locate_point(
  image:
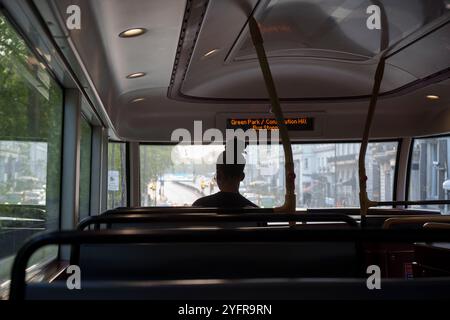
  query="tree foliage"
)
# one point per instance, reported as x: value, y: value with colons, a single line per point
x: 31, y: 105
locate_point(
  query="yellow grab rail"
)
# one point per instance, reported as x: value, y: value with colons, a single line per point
x: 437, y: 225
x: 289, y: 199
x: 389, y: 223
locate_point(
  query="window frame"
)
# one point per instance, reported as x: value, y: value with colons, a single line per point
x: 83, y: 117
x: 127, y: 171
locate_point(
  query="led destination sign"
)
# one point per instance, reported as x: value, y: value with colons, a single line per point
x: 293, y: 124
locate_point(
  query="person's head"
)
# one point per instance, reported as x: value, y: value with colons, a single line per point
x: 230, y: 168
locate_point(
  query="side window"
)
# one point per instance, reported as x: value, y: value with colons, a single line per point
x: 428, y: 175
x: 85, y: 168
x: 117, y: 180
x: 31, y: 114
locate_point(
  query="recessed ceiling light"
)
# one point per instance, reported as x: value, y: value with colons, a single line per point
x: 136, y: 75
x: 432, y: 97
x: 134, y: 32
x: 137, y: 100
x: 211, y: 52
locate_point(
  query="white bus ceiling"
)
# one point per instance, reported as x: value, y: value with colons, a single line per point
x: 199, y: 64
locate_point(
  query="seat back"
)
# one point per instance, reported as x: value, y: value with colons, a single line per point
x: 222, y: 260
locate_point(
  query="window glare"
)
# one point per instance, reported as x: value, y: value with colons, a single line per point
x: 327, y: 174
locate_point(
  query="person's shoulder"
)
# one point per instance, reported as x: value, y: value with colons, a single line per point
x: 199, y: 202
x: 204, y: 201
x: 251, y: 204
x: 247, y: 203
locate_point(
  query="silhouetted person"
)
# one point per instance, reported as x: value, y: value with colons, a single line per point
x: 229, y: 174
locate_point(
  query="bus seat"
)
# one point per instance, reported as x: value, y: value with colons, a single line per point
x: 223, y: 260
x: 432, y: 259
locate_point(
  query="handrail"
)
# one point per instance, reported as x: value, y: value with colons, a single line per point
x: 436, y: 225
x: 187, y: 210
x: 196, y: 218
x: 389, y: 223
x: 181, y: 210
x: 257, y: 39
x: 375, y: 211
x: 411, y: 203
x: 365, y: 202
x: 17, y: 289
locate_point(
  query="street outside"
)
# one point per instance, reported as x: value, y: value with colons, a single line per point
x: 174, y: 193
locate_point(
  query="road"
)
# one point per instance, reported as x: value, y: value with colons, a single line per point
x: 178, y: 195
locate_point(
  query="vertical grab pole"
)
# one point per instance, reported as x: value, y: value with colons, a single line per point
x: 365, y: 202
x: 289, y: 200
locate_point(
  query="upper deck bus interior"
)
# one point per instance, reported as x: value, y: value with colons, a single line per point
x: 113, y: 114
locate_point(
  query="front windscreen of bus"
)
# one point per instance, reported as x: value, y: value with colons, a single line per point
x: 326, y: 174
